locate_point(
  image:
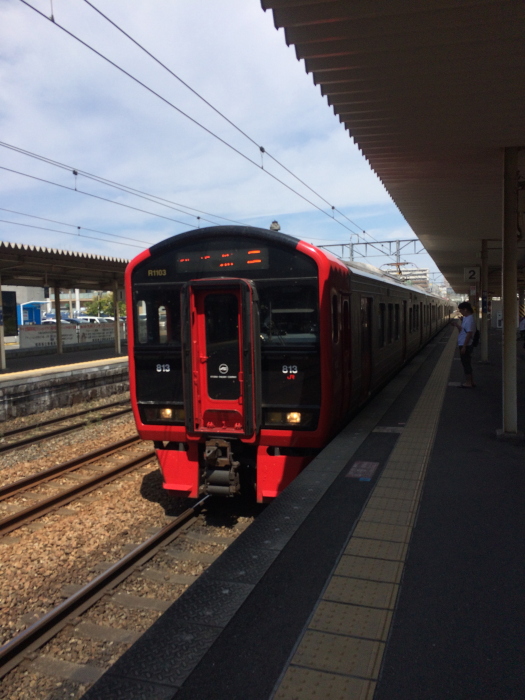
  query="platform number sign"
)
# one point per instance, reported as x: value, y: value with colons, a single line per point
x: 471, y: 274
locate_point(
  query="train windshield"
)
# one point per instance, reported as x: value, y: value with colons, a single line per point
x: 158, y: 317
x: 289, y: 314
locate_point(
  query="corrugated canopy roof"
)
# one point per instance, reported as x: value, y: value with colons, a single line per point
x: 431, y: 91
x: 34, y: 266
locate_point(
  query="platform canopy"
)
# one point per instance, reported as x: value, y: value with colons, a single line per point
x: 34, y: 266
x: 432, y: 91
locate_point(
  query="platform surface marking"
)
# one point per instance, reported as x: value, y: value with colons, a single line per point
x: 340, y: 653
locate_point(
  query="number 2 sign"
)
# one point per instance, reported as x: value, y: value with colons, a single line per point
x: 471, y: 274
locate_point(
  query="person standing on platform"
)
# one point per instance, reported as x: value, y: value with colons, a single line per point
x: 522, y: 330
x: 467, y: 330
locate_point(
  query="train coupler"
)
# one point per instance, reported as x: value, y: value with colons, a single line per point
x: 221, y: 476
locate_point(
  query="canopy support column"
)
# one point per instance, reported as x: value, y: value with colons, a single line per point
x: 510, y: 288
x: 3, y: 364
x: 118, y: 346
x: 484, y: 301
x: 58, y: 319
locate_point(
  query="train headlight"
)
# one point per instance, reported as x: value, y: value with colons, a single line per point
x: 293, y: 417
x: 162, y: 414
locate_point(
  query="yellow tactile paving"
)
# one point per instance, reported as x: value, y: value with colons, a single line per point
x: 399, y: 494
x: 408, y: 480
x: 400, y: 504
x: 382, y: 531
x: 370, y: 569
x: 339, y: 618
x: 392, y: 517
x: 358, y: 591
x: 340, y: 654
x: 377, y: 549
x: 305, y: 684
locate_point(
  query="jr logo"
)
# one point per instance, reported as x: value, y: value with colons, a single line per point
x: 223, y: 369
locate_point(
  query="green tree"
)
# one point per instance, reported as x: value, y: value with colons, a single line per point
x: 102, y: 305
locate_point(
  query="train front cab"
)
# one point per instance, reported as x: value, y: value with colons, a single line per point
x: 241, y: 394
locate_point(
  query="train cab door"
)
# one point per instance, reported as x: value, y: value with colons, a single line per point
x: 220, y: 344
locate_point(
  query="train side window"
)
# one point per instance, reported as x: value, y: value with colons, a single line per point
x: 410, y: 320
x: 390, y: 323
x: 346, y: 319
x: 142, y: 328
x: 381, y: 325
x: 396, y: 320
x: 158, y: 318
x: 335, y: 318
x: 162, y: 317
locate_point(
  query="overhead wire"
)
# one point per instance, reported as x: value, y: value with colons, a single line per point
x: 197, y: 123
x: 66, y: 233
x: 218, y: 111
x: 117, y: 185
x: 170, y: 104
x: 62, y: 223
x: 95, y: 196
x: 223, y: 116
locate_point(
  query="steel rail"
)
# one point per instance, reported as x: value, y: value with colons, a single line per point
x: 52, y: 622
x: 35, y: 426
x: 37, y: 510
x: 10, y: 490
x: 58, y: 431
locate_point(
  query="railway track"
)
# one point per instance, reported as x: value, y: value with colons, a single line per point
x: 59, y: 419
x: 40, y: 508
x: 37, y: 634
x: 35, y: 439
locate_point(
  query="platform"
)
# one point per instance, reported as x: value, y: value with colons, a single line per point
x: 391, y: 568
x: 39, y: 383
x: 17, y: 362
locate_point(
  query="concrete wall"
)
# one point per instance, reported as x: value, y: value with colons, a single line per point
x: 43, y: 391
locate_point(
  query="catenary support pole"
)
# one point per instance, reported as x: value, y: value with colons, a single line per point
x: 510, y: 287
x: 484, y: 301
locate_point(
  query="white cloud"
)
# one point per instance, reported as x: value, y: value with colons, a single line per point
x: 61, y: 101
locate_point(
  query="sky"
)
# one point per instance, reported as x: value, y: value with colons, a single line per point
x: 63, y: 103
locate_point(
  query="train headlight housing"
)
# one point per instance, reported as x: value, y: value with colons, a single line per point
x: 293, y: 417
x: 288, y: 419
x: 162, y: 414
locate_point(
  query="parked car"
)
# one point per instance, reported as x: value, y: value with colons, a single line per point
x: 93, y: 319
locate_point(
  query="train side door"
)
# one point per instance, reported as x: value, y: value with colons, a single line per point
x: 347, y: 350
x: 405, y: 330
x: 366, y: 346
x: 220, y: 357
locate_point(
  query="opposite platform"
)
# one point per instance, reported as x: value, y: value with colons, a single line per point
x: 43, y: 388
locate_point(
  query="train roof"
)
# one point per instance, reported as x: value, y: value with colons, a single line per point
x: 219, y: 231
x: 363, y: 269
x: 372, y: 272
